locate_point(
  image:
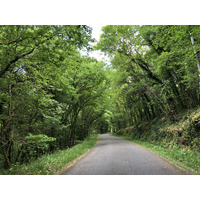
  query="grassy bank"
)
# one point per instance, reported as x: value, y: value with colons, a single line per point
x: 178, y: 140
x: 185, y: 158
x: 184, y: 131
x: 51, y: 163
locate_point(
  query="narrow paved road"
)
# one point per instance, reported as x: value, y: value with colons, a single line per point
x: 115, y: 156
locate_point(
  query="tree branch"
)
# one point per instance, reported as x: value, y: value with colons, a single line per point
x: 143, y: 65
x: 13, y: 61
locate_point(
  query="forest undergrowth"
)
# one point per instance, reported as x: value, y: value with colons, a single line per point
x: 177, y: 141
x: 49, y: 164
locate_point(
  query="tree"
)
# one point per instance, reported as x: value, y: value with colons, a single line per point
x: 155, y: 66
x: 32, y: 58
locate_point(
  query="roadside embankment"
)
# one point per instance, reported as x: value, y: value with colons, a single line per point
x: 177, y: 141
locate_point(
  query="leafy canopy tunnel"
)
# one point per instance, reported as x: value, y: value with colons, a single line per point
x: 51, y: 96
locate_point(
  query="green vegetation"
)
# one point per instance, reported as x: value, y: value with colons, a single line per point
x: 155, y: 82
x: 155, y: 87
x: 170, y: 140
x: 181, y: 133
x: 51, y: 163
x: 185, y: 158
x: 155, y: 71
x: 51, y: 96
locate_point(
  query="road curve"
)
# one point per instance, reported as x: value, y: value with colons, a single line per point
x: 115, y: 156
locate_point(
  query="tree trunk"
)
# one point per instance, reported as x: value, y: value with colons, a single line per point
x: 195, y: 53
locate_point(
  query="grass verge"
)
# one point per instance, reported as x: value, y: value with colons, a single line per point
x: 51, y: 163
x: 187, y: 159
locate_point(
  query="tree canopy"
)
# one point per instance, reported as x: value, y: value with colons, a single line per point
x: 51, y: 96
x: 156, y: 69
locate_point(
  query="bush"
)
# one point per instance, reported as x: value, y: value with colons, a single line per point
x: 36, y: 145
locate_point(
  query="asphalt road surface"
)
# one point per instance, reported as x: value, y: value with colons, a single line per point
x: 115, y: 156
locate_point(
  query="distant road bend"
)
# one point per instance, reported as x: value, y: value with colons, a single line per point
x: 115, y: 156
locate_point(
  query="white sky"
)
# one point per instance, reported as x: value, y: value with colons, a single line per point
x: 96, y: 34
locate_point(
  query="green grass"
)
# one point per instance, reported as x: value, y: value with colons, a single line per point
x: 187, y: 159
x: 51, y: 163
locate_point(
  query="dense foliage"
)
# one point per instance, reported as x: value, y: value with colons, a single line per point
x: 51, y: 96
x: 155, y: 75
